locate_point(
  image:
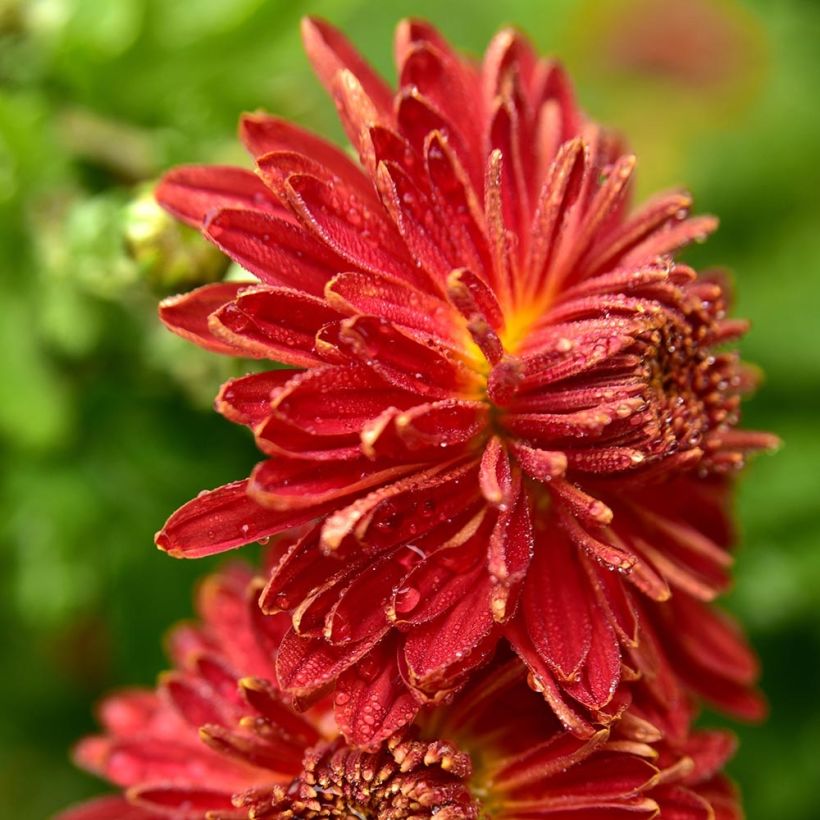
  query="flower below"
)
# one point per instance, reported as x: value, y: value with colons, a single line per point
x: 510, y: 410
x: 219, y: 739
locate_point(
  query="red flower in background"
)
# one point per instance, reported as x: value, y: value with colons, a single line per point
x: 219, y: 739
x: 509, y: 408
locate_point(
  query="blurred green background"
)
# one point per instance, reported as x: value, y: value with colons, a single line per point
x: 105, y: 424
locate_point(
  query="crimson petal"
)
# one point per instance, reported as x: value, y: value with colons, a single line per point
x: 192, y: 192
x: 223, y: 519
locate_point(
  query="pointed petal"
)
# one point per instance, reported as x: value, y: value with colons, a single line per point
x: 555, y: 605
x: 509, y: 552
x: 114, y: 807
x: 264, y: 134
x: 398, y: 302
x: 289, y: 485
x: 543, y: 681
x: 348, y: 621
x: 426, y: 432
x: 601, y: 671
x: 278, y: 252
x: 350, y: 228
x: 433, y: 652
x: 495, y: 474
x: 437, y: 583
x: 192, y: 192
x: 372, y: 701
x: 187, y: 315
x: 428, y: 370
x: 336, y: 400
x: 223, y: 519
x: 275, y: 323
x: 247, y: 400
x: 330, y: 52
x: 305, y: 665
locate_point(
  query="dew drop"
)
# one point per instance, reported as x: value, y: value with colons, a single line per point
x: 407, y: 599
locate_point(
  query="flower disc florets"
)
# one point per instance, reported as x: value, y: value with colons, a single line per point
x: 509, y: 406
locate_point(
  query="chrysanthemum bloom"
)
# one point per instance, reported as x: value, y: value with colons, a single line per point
x: 218, y: 739
x: 509, y: 407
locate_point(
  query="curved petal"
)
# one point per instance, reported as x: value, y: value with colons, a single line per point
x: 278, y: 252
x: 224, y: 519
x: 247, y: 399
x: 187, y: 315
x: 372, y: 701
x: 192, y: 192
x: 274, y: 323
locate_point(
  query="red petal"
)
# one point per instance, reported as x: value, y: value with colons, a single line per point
x: 601, y: 671
x: 275, y: 323
x: 557, y: 195
x: 278, y: 437
x: 412, y: 499
x: 420, y: 506
x: 411, y: 209
x: 371, y: 700
x: 126, y: 712
x: 427, y: 432
x: 247, y: 400
x: 602, y: 777
x: 607, y: 202
x: 437, y: 583
x: 351, y: 228
x: 427, y: 62
x: 458, y: 204
x: 180, y: 800
x: 509, y: 552
x: 222, y: 519
x: 275, y: 758
x: 301, y: 570
x: 187, y: 315
x: 710, y: 750
x: 614, y: 598
x: 495, y: 475
x: 350, y: 621
x: 508, y: 133
x: 192, y: 192
x: 107, y: 808
x: 305, y: 665
x: 662, y: 210
x: 263, y: 134
x: 678, y: 803
x: 543, y: 465
x: 139, y: 760
x: 194, y: 700
x: 713, y: 640
x: 672, y: 239
x: 337, y: 400
x: 288, y: 485
x: 434, y: 652
x: 229, y: 610
x: 279, y: 252
x: 424, y: 369
x: 554, y: 756
x: 504, y: 267
x: 556, y: 604
x: 290, y: 727
x: 398, y: 302
x: 542, y: 680
x: 329, y: 52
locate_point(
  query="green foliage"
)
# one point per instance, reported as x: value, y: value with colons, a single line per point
x: 104, y: 419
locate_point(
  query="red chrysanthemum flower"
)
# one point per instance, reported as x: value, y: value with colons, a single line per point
x: 218, y: 739
x: 509, y: 406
